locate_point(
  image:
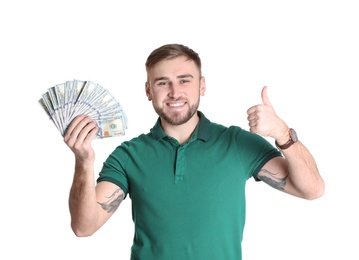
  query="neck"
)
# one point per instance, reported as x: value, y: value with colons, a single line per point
x: 182, y: 133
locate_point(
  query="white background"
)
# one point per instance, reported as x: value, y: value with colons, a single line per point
x: 307, y: 52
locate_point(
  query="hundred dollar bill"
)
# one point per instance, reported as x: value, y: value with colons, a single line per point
x: 112, y: 127
x: 63, y: 102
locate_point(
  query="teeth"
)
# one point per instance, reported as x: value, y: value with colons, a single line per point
x: 176, y: 105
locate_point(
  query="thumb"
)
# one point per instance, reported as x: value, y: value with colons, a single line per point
x: 265, y: 98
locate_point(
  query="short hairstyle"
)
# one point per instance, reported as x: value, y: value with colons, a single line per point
x: 171, y: 51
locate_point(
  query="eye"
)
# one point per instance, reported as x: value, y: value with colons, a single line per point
x: 162, y: 83
x: 184, y: 81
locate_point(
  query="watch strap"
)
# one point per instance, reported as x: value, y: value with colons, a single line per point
x: 292, y: 139
x: 286, y: 145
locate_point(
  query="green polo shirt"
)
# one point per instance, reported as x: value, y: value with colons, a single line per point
x: 188, y: 201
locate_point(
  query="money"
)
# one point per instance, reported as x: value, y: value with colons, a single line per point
x: 63, y: 102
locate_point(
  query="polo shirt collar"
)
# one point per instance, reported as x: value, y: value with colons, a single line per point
x: 202, y: 131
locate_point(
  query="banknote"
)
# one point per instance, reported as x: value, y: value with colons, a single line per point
x: 63, y: 102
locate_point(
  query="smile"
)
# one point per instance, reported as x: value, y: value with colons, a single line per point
x: 176, y: 104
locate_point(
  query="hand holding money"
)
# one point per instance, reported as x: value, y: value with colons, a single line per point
x: 78, y: 138
x: 63, y: 102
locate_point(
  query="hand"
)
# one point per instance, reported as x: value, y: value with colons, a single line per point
x: 263, y: 120
x: 79, y: 136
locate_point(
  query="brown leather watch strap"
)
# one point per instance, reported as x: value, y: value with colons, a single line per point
x: 286, y: 145
x: 292, y: 139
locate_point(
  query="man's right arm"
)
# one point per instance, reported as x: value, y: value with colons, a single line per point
x: 90, y: 205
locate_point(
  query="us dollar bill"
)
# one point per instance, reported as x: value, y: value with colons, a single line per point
x: 63, y: 102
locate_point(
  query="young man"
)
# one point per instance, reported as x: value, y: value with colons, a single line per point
x: 186, y: 177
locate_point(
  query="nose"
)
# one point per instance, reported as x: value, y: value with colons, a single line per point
x: 174, y: 90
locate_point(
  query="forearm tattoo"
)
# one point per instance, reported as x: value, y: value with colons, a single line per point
x: 113, y: 202
x: 271, y: 179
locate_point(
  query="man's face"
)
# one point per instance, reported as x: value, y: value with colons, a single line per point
x: 174, y: 86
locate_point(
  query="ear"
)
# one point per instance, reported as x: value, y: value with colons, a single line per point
x: 202, y: 86
x: 148, y: 91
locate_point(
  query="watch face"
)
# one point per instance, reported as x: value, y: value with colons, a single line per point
x: 293, y: 135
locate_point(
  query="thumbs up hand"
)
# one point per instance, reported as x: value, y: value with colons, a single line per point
x: 263, y: 120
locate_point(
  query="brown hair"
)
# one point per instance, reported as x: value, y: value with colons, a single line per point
x: 171, y: 51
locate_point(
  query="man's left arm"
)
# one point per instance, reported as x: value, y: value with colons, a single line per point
x: 295, y: 173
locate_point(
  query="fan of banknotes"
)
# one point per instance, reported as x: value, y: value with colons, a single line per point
x: 63, y: 102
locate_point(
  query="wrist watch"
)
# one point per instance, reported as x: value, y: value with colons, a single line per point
x: 293, y: 137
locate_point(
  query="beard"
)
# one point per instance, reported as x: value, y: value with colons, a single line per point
x: 177, y: 118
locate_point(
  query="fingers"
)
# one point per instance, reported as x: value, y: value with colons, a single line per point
x: 72, y: 126
x: 265, y: 98
x: 265, y: 101
x: 253, y: 117
x: 262, y: 118
x: 88, y: 137
x: 81, y: 128
x: 259, y: 115
x: 251, y: 110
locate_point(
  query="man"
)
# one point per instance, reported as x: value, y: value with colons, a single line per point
x: 186, y: 177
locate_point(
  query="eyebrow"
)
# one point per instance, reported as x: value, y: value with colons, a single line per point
x: 179, y: 77
x: 185, y: 76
